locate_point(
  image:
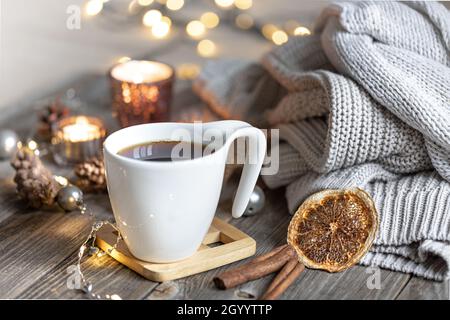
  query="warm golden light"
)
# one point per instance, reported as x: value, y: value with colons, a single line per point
x: 81, y: 130
x: 243, y: 4
x: 160, y: 29
x: 210, y: 20
x: 93, y: 7
x: 174, y: 4
x: 145, y: 3
x: 206, y: 48
x: 32, y: 145
x: 268, y: 30
x: 244, y: 21
x: 279, y: 37
x: 195, y: 29
x: 123, y: 59
x: 151, y: 17
x: 188, y: 71
x: 141, y: 72
x: 302, y: 31
x: 224, y: 3
x: 166, y: 20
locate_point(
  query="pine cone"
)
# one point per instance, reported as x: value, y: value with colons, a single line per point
x: 91, y: 175
x: 49, y: 116
x: 34, y: 182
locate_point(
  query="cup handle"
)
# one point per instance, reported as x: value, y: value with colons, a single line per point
x: 253, y: 162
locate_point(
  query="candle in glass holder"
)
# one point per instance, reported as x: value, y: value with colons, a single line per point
x: 77, y: 139
x: 141, y: 92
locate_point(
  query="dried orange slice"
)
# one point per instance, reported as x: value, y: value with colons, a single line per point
x: 333, y: 229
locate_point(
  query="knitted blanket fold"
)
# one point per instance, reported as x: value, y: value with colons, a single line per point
x: 365, y: 102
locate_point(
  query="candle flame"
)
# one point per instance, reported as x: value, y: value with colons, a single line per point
x: 82, y: 120
x: 81, y: 130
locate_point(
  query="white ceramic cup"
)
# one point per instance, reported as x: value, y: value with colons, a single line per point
x: 164, y: 209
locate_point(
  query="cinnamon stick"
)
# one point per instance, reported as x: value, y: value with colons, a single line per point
x: 268, y: 254
x: 285, y: 283
x: 285, y: 271
x: 260, y: 258
x: 254, y: 270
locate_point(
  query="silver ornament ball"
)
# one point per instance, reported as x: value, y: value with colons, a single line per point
x: 256, y: 202
x: 8, y: 143
x: 70, y: 198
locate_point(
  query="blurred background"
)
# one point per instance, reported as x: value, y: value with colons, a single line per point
x: 40, y: 53
x: 47, y: 44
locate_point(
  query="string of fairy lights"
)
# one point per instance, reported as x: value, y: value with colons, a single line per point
x: 160, y: 18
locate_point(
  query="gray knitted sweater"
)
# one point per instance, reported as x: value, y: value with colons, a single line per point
x: 365, y: 102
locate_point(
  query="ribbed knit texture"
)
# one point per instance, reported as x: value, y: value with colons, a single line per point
x: 366, y: 103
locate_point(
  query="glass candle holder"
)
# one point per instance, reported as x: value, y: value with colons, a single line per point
x: 77, y: 139
x: 141, y: 92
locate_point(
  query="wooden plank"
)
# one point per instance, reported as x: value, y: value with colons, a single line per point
x: 419, y: 288
x: 107, y: 275
x: 350, y: 284
x: 49, y: 243
x: 31, y: 244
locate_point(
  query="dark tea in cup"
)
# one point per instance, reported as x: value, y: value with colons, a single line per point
x: 164, y: 151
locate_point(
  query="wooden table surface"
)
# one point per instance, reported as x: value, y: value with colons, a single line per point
x: 37, y: 247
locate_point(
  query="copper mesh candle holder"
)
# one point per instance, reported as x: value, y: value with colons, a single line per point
x: 77, y: 139
x: 141, y: 92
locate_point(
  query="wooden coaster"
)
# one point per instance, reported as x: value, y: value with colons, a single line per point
x: 223, y: 244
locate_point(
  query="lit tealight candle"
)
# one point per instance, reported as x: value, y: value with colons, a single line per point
x: 141, y: 71
x: 81, y: 130
x: 77, y: 139
x: 141, y: 91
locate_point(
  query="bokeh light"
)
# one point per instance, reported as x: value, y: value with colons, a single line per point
x: 279, y: 37
x: 123, y: 59
x: 151, y: 17
x: 188, y: 71
x: 244, y: 21
x: 174, y: 4
x: 243, y: 4
x: 160, y: 29
x: 145, y: 3
x: 210, y: 19
x: 195, y: 29
x: 93, y: 7
x: 224, y: 3
x: 206, y: 48
x: 302, y: 31
x: 268, y: 30
x: 166, y: 20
